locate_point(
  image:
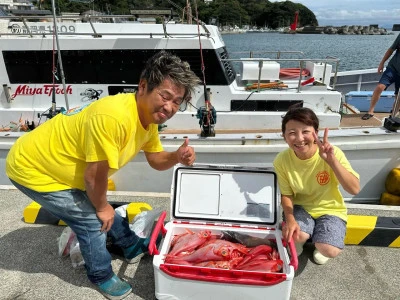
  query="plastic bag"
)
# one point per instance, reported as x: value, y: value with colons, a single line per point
x: 75, y: 254
x: 64, y: 241
x: 121, y: 210
x: 142, y: 223
x: 68, y: 245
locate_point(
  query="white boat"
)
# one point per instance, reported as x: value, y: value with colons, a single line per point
x: 102, y: 59
x: 358, y: 80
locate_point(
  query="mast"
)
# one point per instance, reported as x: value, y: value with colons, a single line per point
x: 188, y: 12
x: 59, y: 58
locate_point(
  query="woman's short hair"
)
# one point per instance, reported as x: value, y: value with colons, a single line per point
x: 301, y: 114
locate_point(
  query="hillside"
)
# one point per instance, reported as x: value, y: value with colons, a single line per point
x: 220, y: 12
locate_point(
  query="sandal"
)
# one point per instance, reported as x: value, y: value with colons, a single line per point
x: 367, y: 116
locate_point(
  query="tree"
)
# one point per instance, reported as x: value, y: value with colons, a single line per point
x: 254, y: 9
x: 281, y: 14
x: 232, y: 12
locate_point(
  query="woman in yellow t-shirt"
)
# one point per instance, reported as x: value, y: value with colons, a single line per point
x: 309, y: 174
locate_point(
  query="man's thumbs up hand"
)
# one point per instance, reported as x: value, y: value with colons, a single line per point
x: 185, y: 154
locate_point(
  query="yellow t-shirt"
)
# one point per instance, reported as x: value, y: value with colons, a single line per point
x: 54, y: 156
x: 312, y: 182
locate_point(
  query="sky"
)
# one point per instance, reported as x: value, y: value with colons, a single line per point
x: 385, y: 13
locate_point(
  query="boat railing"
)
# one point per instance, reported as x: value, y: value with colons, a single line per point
x: 301, y: 62
x: 92, y: 20
x: 334, y: 78
x: 277, y: 53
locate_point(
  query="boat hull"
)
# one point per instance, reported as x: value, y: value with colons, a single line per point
x: 372, y: 152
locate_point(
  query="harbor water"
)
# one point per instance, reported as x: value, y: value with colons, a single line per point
x: 354, y: 51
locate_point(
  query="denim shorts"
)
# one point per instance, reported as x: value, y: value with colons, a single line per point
x: 390, y: 76
x: 326, y: 229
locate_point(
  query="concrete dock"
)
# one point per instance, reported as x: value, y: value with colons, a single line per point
x: 30, y: 267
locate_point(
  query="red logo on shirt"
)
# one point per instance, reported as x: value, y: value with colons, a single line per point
x: 323, y: 178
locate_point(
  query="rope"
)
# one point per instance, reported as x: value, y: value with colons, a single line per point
x: 269, y: 85
x: 201, y: 50
x: 54, y: 58
x: 206, y: 98
x: 53, y: 100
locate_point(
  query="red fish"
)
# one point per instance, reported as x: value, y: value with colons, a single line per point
x: 178, y: 236
x: 257, y: 251
x: 238, y: 249
x: 189, y: 241
x: 212, y: 250
x: 220, y: 264
x: 274, y: 254
x: 262, y: 265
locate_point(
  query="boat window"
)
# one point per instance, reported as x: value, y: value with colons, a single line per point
x: 108, y: 66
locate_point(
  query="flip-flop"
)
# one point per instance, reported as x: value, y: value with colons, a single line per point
x: 367, y: 116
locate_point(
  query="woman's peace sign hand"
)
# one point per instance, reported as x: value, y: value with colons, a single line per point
x: 326, y: 151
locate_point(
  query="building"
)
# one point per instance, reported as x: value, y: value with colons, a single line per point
x: 8, y: 5
x: 150, y: 15
x: 396, y: 27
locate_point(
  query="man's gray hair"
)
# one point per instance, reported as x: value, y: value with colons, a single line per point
x: 163, y: 65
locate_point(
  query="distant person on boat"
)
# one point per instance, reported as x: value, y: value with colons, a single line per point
x: 64, y: 164
x: 309, y: 173
x: 391, y: 75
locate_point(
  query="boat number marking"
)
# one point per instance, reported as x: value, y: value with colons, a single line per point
x: 21, y: 29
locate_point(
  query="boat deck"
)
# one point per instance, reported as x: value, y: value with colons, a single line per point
x: 354, y: 120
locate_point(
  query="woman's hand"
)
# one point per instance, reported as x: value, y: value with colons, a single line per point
x: 326, y: 150
x: 290, y: 229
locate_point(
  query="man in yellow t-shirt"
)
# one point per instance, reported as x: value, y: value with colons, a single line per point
x: 64, y: 164
x: 309, y: 174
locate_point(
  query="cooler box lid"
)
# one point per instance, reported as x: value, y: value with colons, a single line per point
x: 225, y: 194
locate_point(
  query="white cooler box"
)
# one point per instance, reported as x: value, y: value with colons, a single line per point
x: 222, y: 198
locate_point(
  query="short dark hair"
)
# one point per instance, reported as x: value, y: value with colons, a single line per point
x: 163, y: 65
x: 301, y: 114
